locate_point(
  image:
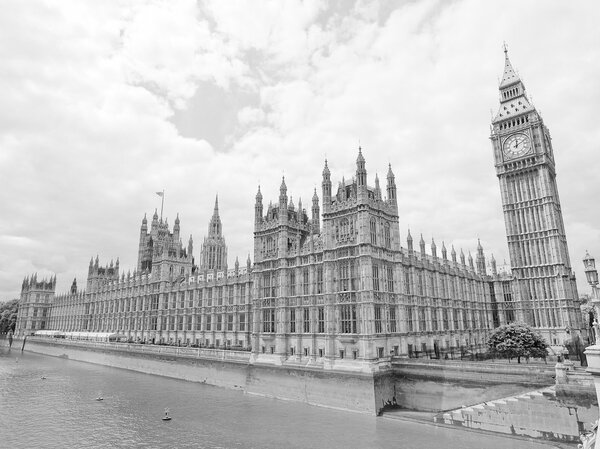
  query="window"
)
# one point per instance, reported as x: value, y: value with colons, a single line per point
x: 373, y: 229
x: 321, y: 319
x: 386, y: 235
x: 321, y: 352
x: 269, y: 320
x: 392, y: 318
x: 341, y: 353
x: 242, y: 322
x: 219, y: 322
x: 434, y: 320
x: 306, y: 320
x: 292, y: 282
x: 409, y: 319
x: 378, y: 326
x: 180, y: 323
x: 406, y: 280
x: 445, y: 319
x: 348, y: 319
x: 181, y: 300
x: 269, y: 285
x: 320, y: 279
x: 189, y: 322
x: 347, y: 279
x: 242, y: 293
x: 305, y: 284
x: 390, y: 278
x: 376, y: 277
x: 153, y: 323
x: 198, y: 322
x: 422, y: 321
x: 230, y: 322
x: 208, y: 322
x: 231, y: 289
x: 292, y: 321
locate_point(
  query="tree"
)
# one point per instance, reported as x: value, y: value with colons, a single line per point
x: 517, y: 340
x: 8, y: 315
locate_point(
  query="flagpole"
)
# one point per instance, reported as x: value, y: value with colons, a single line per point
x: 162, y: 203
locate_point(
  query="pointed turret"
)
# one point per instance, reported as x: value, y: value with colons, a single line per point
x: 453, y: 254
x: 283, y: 201
x: 258, y: 208
x: 462, y: 257
x: 190, y: 248
x: 422, y: 246
x: 409, y: 242
x: 391, y: 187
x: 315, y: 219
x: 144, y: 224
x: 433, y: 249
x: 248, y: 263
x: 493, y: 265
x: 326, y: 187
x: 471, y: 261
x: 480, y: 259
x: 444, y: 252
x: 361, y: 172
x: 377, y: 188
x: 214, y: 228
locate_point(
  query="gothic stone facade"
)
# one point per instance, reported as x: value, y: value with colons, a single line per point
x: 337, y: 289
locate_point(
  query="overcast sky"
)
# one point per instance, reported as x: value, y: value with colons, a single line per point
x: 105, y: 103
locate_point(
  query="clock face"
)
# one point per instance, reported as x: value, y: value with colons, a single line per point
x: 517, y: 145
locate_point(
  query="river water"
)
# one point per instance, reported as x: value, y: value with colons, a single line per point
x: 60, y: 411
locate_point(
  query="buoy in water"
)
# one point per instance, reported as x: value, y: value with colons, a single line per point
x: 43, y: 377
x: 166, y: 417
x: 99, y: 398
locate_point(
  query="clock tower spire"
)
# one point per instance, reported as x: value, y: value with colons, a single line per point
x: 543, y: 286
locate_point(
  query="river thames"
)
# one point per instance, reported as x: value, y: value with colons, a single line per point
x: 48, y: 402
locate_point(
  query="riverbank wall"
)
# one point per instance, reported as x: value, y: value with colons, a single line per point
x: 229, y: 369
x: 416, y: 384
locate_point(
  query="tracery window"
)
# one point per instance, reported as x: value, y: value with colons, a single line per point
x: 348, y: 319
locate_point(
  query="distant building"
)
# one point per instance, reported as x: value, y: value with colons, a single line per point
x: 331, y: 286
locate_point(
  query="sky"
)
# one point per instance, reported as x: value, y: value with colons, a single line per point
x: 106, y: 103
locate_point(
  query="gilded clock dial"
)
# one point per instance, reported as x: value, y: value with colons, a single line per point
x: 517, y: 145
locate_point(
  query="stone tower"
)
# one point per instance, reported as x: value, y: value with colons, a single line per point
x: 34, y: 304
x: 213, y: 255
x: 544, y: 284
x: 161, y: 252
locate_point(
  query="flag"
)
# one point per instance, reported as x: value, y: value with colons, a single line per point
x: 161, y: 194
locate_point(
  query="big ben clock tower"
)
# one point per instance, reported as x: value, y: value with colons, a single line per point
x: 543, y: 287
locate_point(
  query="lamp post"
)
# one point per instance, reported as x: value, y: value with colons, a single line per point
x: 591, y: 275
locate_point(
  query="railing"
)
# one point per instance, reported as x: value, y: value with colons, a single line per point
x: 198, y: 353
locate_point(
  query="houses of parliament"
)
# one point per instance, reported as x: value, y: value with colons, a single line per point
x: 331, y: 284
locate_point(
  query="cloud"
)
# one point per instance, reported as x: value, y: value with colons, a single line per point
x: 101, y: 101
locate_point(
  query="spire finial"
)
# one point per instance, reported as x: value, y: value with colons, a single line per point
x: 505, y: 47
